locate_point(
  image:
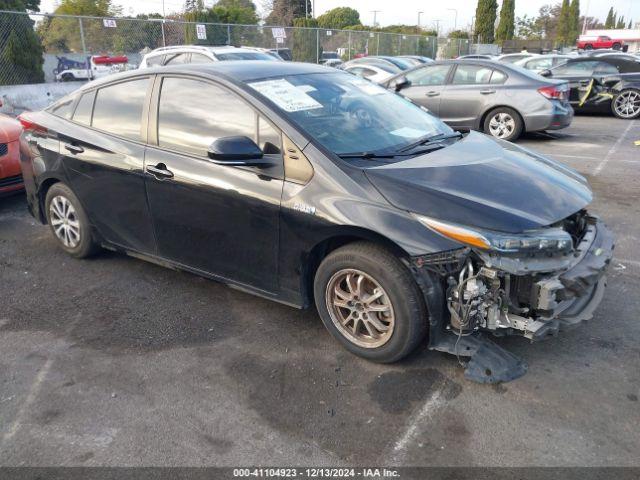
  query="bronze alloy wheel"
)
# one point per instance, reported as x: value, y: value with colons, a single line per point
x: 360, y: 308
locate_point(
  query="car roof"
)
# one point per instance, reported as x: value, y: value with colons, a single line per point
x: 201, y: 48
x: 238, y: 71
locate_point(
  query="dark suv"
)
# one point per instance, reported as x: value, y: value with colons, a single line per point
x: 306, y: 185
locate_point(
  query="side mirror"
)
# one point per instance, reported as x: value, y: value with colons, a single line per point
x: 235, y: 151
x: 400, y: 83
x: 546, y: 73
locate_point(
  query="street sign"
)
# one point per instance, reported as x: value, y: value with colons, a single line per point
x: 201, y: 31
x: 278, y: 32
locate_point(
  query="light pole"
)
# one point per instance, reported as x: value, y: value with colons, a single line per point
x: 419, y: 13
x: 375, y: 16
x: 437, y: 22
x: 455, y: 22
x: 584, y: 25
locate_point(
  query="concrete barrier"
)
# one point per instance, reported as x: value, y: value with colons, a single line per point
x: 18, y: 98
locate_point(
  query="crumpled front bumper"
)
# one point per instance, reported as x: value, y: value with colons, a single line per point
x: 570, y: 297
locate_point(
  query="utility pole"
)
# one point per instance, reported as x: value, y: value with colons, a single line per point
x: 437, y: 22
x: 419, y: 13
x: 455, y: 22
x: 584, y: 24
x: 375, y: 16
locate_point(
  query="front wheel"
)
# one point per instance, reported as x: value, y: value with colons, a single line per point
x: 588, y: 47
x: 369, y: 301
x: 503, y: 123
x: 617, y: 46
x: 69, y: 222
x: 626, y: 104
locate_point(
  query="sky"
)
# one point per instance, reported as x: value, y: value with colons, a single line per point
x: 439, y: 14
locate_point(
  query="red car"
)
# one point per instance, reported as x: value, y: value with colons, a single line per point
x: 600, y: 41
x: 10, y: 173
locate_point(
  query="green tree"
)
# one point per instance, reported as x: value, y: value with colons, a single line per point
x: 610, y: 22
x: 486, y: 12
x: 620, y: 24
x: 20, y: 49
x: 506, y: 26
x: 137, y: 33
x: 630, y: 24
x: 574, y: 22
x: 63, y: 34
x: 339, y: 18
x: 305, y: 46
x: 284, y: 12
x: 564, y: 24
x: 236, y: 3
x: 216, y: 34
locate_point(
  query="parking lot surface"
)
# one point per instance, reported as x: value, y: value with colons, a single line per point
x: 115, y: 361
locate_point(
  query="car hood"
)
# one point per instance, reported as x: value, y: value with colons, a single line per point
x: 484, y: 182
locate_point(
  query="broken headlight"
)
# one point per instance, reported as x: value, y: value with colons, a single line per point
x: 550, y: 240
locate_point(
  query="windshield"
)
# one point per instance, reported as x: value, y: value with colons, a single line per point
x: 347, y: 114
x: 245, y: 56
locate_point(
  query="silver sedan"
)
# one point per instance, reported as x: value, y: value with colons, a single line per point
x: 500, y: 99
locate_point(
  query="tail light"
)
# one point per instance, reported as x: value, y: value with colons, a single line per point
x: 554, y: 92
x: 30, y: 126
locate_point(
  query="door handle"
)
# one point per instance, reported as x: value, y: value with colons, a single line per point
x: 432, y: 94
x: 159, y: 171
x: 73, y: 148
x: 487, y: 92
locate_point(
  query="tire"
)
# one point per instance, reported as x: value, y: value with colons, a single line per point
x: 626, y: 104
x: 68, y: 77
x: 588, y: 47
x: 616, y: 46
x: 398, y: 306
x: 508, y: 124
x: 69, y: 222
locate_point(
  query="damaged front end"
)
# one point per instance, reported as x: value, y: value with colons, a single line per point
x: 532, y: 285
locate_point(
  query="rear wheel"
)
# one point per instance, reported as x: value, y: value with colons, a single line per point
x: 369, y: 301
x: 588, y: 47
x: 626, y: 104
x: 617, y: 46
x: 503, y: 123
x: 69, y: 222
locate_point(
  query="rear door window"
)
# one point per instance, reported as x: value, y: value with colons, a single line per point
x: 118, y: 108
x: 84, y: 109
x: 585, y: 68
x: 472, y: 75
x: 498, y: 77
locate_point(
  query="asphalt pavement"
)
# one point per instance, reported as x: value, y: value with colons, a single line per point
x: 115, y: 361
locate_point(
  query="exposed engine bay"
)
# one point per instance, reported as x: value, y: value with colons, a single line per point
x: 534, y: 293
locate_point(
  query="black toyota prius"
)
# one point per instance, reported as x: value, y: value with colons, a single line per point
x: 307, y: 185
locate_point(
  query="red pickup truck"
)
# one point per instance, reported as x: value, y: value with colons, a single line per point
x: 600, y: 41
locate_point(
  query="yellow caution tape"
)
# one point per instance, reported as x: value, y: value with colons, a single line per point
x: 587, y: 93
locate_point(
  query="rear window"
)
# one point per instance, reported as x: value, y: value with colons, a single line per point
x: 118, y: 108
x: 155, y: 60
x: 85, y: 107
x: 245, y: 56
x: 63, y: 108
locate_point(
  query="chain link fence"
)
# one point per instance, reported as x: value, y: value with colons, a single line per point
x: 40, y: 48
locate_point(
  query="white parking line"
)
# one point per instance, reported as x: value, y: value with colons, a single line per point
x: 415, y: 421
x: 31, y: 396
x: 613, y: 149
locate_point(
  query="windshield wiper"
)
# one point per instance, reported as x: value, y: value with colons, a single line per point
x: 366, y: 155
x: 430, y: 139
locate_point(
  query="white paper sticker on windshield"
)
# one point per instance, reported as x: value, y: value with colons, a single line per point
x: 287, y: 96
x: 408, y: 132
x: 306, y: 88
x: 369, y: 88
